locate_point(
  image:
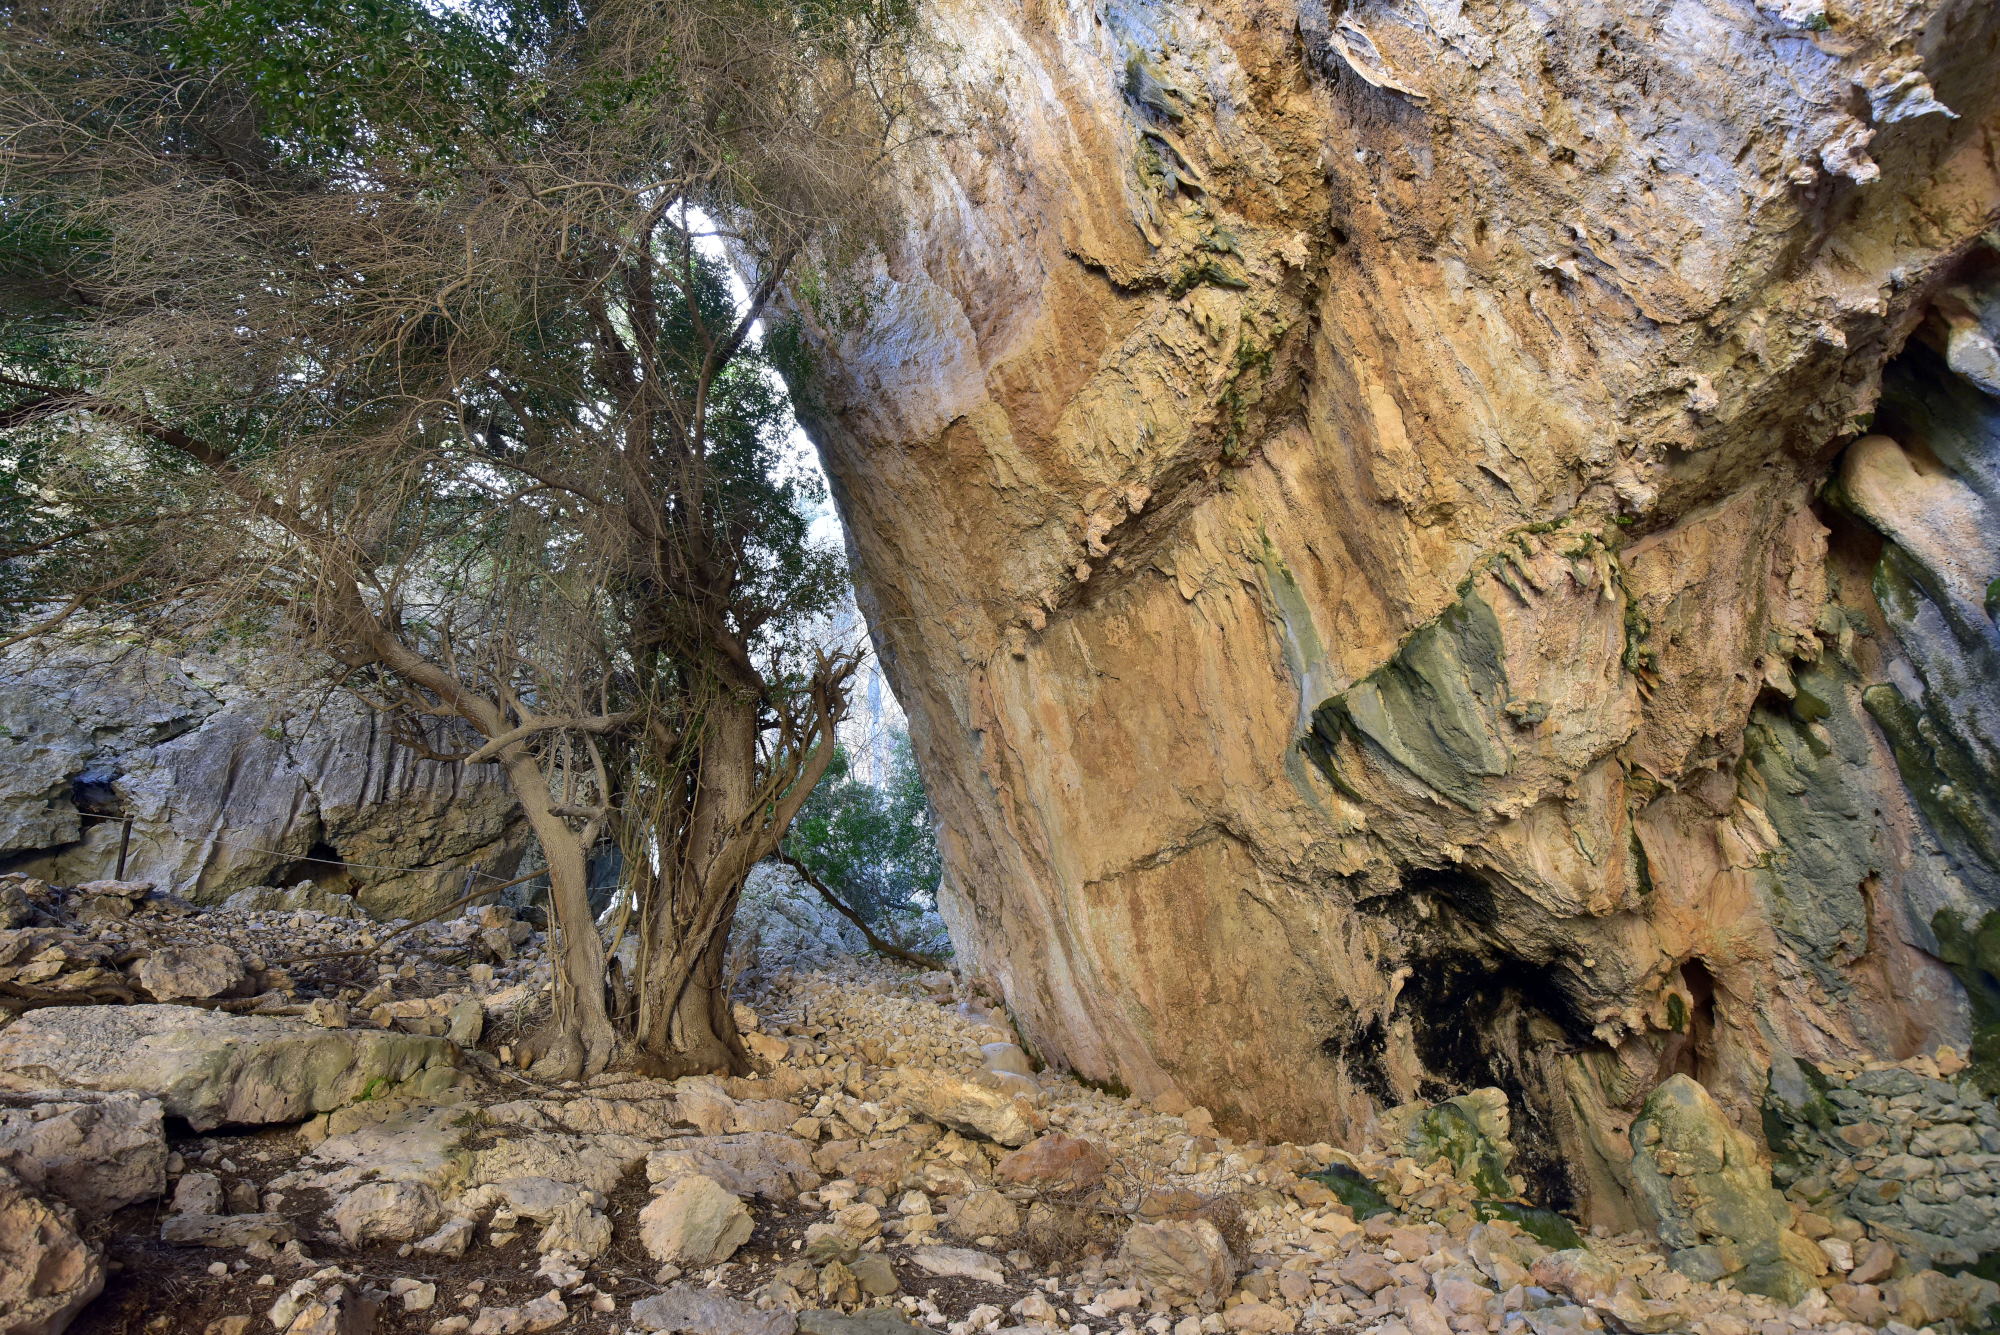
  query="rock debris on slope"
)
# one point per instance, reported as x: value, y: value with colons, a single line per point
x: 895, y: 1165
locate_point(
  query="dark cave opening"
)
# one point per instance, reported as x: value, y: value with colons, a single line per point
x: 1479, y: 1014
x: 94, y: 792
x: 322, y: 865
x: 1692, y: 1021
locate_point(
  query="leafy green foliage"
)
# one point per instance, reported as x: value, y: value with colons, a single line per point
x: 393, y: 328
x: 874, y: 845
x: 329, y: 78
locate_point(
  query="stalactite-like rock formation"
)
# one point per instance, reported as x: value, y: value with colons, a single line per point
x: 1431, y: 545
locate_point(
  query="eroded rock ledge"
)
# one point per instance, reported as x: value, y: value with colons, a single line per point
x: 1403, y: 567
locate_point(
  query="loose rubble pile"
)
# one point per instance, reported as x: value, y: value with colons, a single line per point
x: 896, y: 1164
x: 298, y: 952
x: 1903, y: 1148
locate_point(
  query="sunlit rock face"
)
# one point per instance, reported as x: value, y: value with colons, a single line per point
x: 1342, y: 492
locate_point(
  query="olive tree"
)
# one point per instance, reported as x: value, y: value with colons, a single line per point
x: 397, y: 333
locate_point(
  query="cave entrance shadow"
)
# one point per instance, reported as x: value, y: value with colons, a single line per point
x: 1481, y: 1012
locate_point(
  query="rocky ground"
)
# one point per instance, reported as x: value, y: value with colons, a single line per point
x: 268, y: 1117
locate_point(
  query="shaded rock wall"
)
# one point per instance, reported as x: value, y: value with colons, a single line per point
x: 235, y: 775
x: 1339, y: 492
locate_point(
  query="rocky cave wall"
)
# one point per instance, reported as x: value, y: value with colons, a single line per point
x: 235, y: 774
x: 1404, y: 573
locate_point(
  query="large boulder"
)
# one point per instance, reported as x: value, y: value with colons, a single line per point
x: 47, y: 1271
x: 97, y: 1154
x: 191, y: 971
x: 211, y: 1068
x: 1711, y: 1196
x: 754, y: 1163
x: 1179, y: 1261
x: 968, y: 1104
x: 1057, y: 1163
x: 1470, y: 1132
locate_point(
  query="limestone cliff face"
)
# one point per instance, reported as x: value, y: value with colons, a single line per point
x: 1343, y: 492
x: 234, y: 775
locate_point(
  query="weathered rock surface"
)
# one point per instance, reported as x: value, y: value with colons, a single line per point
x: 47, y: 1271
x: 213, y: 1068
x: 694, y: 1220
x: 1337, y: 489
x: 236, y: 774
x: 757, y: 1163
x: 1186, y: 1260
x: 97, y: 1154
x: 1711, y: 1195
x: 971, y: 1105
x: 689, y: 1311
x: 191, y: 973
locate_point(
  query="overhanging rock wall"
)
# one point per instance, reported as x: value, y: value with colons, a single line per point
x: 1343, y: 493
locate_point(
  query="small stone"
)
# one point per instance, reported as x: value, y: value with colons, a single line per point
x: 1876, y: 1263
x: 959, y: 1262
x: 694, y: 1221
x: 1256, y: 1318
x: 876, y: 1275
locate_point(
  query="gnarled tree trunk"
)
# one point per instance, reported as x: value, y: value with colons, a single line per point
x: 579, y: 1038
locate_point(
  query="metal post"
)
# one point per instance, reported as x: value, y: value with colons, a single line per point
x: 124, y: 847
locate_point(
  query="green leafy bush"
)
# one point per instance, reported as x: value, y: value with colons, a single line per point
x: 874, y: 846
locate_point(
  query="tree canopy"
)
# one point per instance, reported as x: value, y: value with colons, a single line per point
x: 398, y: 332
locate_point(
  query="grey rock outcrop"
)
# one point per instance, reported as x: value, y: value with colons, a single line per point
x: 236, y: 773
x: 212, y: 1068
x: 1711, y: 1196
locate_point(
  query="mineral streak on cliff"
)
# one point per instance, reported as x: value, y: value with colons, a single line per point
x: 1343, y: 492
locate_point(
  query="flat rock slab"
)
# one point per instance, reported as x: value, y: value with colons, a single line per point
x: 216, y: 1069
x: 879, y: 1321
x: 685, y: 1310
x: 959, y: 1263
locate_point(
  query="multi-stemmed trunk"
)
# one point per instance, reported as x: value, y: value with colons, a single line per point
x: 732, y: 810
x: 684, y: 1024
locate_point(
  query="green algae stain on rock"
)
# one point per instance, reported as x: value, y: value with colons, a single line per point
x: 1950, y: 787
x: 1973, y: 956
x: 1711, y: 1196
x: 1804, y: 765
x: 1436, y: 709
x: 1353, y: 1190
x: 1464, y: 1133
x: 1543, y: 1225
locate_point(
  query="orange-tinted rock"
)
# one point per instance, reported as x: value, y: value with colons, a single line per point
x: 1056, y: 1162
x: 1340, y: 502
